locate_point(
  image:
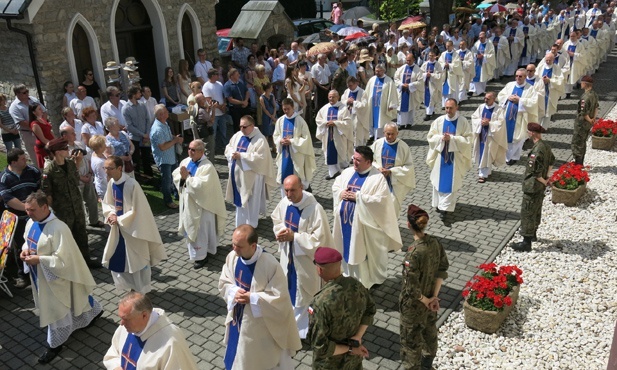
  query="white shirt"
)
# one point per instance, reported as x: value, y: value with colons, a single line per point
x: 110, y: 110
x: 279, y: 73
x: 150, y: 103
x: 321, y: 74
x: 215, y: 92
x: 201, y: 69
x: 78, y: 105
x: 293, y: 56
x: 78, y: 126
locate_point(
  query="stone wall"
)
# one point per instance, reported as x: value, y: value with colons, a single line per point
x: 50, y: 29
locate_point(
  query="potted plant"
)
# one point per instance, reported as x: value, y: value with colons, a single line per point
x: 603, y: 134
x: 490, y: 296
x: 568, y: 183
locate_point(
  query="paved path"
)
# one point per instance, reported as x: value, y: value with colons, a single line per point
x: 485, y: 219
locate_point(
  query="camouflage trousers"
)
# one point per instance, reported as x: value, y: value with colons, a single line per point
x: 531, y: 213
x: 579, y: 138
x: 76, y: 221
x: 418, y: 332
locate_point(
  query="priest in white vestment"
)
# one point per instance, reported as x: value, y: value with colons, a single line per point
x: 502, y: 51
x: 409, y: 82
x: 260, y: 329
x: 147, y: 339
x: 484, y: 64
x: 300, y: 225
x: 515, y: 37
x: 469, y: 70
x: 518, y: 98
x: 365, y: 221
x: 593, y: 13
x: 251, y: 172
x: 202, y: 207
x: 489, y: 137
x: 62, y: 284
x: 433, y: 76
x: 379, y: 102
x: 529, y: 34
x: 134, y: 244
x: 452, y: 71
x: 352, y: 98
x: 538, y: 86
x: 294, y: 146
x: 575, y: 52
x: 335, y: 131
x: 553, y: 80
x: 449, y: 157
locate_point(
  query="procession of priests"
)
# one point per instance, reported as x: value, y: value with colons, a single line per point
x: 265, y: 174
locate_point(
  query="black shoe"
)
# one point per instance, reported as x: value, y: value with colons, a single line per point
x: 370, y: 141
x: 534, y: 238
x: 407, y: 127
x: 22, y: 283
x: 50, y: 354
x: 309, y: 189
x: 199, y: 264
x: 568, y: 96
x: 426, y: 363
x: 524, y: 246
x: 427, y: 118
x: 333, y: 176
x: 93, y: 263
x: 94, y: 319
x: 511, y: 162
x: 443, y: 214
x: 470, y: 93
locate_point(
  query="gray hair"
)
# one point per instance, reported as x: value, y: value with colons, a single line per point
x: 200, y: 144
x: 390, y: 125
x: 111, y: 90
x: 158, y: 109
x: 380, y: 66
x: 139, y: 302
x: 110, y: 121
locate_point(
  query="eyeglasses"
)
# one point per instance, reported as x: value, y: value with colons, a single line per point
x: 90, y: 74
x: 521, y: 76
x: 116, y: 95
x: 24, y: 92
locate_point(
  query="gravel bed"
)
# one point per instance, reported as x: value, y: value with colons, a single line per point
x: 566, y: 313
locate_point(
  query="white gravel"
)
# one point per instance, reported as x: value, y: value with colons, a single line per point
x: 566, y: 313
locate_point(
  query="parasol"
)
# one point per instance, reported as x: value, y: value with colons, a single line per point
x: 497, y: 8
x: 312, y: 39
x: 512, y: 6
x: 350, y: 30
x: 321, y: 48
x: 412, y: 26
x: 338, y: 27
x: 484, y: 6
x: 356, y: 35
x: 364, y: 40
x: 356, y: 12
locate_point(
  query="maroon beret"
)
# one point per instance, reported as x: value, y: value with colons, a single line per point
x: 58, y: 144
x: 414, y: 212
x: 325, y: 255
x: 534, y: 127
x: 587, y: 79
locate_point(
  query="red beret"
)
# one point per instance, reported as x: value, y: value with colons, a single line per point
x: 58, y: 144
x: 534, y: 127
x: 587, y: 79
x: 414, y: 212
x: 325, y: 255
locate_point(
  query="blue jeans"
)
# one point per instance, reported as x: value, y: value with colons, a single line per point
x: 167, y: 186
x: 220, y: 129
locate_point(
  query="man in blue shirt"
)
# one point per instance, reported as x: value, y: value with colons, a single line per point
x: 17, y: 182
x: 163, y: 149
x: 237, y: 96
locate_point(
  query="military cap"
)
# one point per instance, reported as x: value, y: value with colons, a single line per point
x: 587, y: 79
x: 414, y: 212
x: 325, y: 255
x: 58, y: 144
x: 534, y: 127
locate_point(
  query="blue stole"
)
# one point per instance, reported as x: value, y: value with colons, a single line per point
x: 117, y: 262
x: 354, y: 95
x: 526, y: 32
x: 388, y: 156
x: 33, y: 239
x: 131, y: 351
x: 331, y: 152
x: 243, y: 276
x: 594, y: 33
x: 446, y: 169
x: 461, y: 54
x: 192, y: 167
x: 405, y: 91
x: 561, y: 20
x: 287, y: 164
x: 446, y: 85
x: 430, y: 67
x: 549, y: 73
x: 571, y: 48
x: 513, y: 34
x: 377, y: 91
x: 347, y: 210
x: 243, y: 145
x: 557, y: 58
x: 292, y: 220
x: 511, y: 112
x: 481, y: 49
x: 531, y: 82
x: 486, y: 113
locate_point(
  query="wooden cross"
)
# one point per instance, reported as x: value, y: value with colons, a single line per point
x: 242, y: 148
x: 240, y: 283
x: 332, y: 115
x: 290, y: 224
x: 387, y: 161
x: 127, y: 358
x: 118, y: 202
x: 31, y: 241
x: 288, y: 131
x: 378, y: 89
x: 407, y: 75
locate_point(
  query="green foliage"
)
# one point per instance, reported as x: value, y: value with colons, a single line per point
x: 395, y: 9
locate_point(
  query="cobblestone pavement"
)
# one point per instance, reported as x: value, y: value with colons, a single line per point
x: 485, y: 219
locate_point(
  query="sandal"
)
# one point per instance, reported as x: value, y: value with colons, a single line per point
x: 481, y: 180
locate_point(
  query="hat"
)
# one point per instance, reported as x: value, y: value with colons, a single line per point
x: 534, y: 127
x: 128, y: 66
x: 587, y: 79
x: 112, y: 66
x: 364, y: 56
x: 58, y: 144
x: 325, y: 255
x: 414, y: 212
x: 113, y: 78
x: 131, y: 60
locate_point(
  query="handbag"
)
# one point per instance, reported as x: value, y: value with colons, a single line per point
x: 128, y: 166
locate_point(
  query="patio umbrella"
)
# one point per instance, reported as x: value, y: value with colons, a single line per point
x: 412, y: 26
x: 350, y: 30
x: 484, y: 6
x: 321, y: 48
x: 356, y: 35
x: 497, y: 8
x: 356, y: 12
x: 338, y: 27
x: 312, y: 39
x: 512, y: 6
x: 364, y: 40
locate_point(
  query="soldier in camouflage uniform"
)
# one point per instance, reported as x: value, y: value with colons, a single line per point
x: 339, y: 315
x: 61, y: 183
x: 339, y: 77
x: 540, y: 162
x: 587, y: 110
x: 424, y: 270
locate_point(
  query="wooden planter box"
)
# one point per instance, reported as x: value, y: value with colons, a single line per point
x: 488, y: 321
x: 602, y: 143
x: 567, y: 197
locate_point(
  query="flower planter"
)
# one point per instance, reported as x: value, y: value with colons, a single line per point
x: 602, y: 143
x: 567, y: 197
x: 488, y: 321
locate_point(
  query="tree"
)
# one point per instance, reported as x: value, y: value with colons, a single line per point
x: 390, y: 10
x: 440, y: 12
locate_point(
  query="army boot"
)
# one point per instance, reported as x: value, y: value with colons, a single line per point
x: 534, y: 238
x: 578, y: 160
x: 427, y: 363
x: 524, y: 246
